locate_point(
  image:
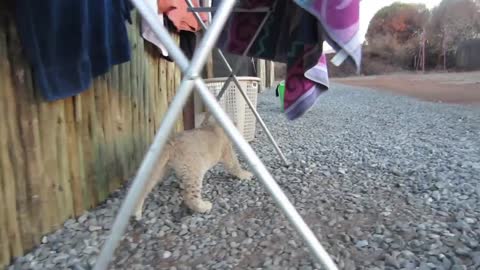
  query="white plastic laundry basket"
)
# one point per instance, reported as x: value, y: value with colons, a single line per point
x: 234, y: 104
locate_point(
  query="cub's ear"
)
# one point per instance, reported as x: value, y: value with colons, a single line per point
x: 206, y: 119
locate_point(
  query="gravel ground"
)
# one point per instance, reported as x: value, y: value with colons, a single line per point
x: 385, y: 182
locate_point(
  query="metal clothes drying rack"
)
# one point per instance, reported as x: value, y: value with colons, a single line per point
x: 191, y: 78
x: 234, y: 71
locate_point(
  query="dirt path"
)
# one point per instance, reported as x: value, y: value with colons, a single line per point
x: 463, y: 88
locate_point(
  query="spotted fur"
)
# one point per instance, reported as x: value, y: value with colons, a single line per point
x: 190, y: 154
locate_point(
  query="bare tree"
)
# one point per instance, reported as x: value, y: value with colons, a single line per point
x: 395, y: 32
x: 451, y: 23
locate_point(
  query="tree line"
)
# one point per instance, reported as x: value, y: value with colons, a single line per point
x: 411, y: 37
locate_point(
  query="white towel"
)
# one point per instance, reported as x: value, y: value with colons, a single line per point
x: 147, y: 32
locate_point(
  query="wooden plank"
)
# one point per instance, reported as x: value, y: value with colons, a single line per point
x: 18, y: 175
x: 177, y: 80
x: 100, y: 156
x: 43, y: 202
x: 152, y: 97
x: 110, y: 136
x: 7, y: 173
x: 160, y: 92
x: 10, y: 194
x: 261, y: 73
x: 20, y: 130
x: 126, y: 117
x: 5, y: 199
x: 149, y: 96
x: 121, y: 120
x: 129, y: 105
x: 77, y: 140
x: 156, y: 92
x: 142, y: 86
x: 270, y: 74
x: 4, y: 241
x: 84, y: 146
x: 209, y: 66
x: 114, y: 164
x: 73, y: 158
x: 171, y: 88
x: 132, y: 123
x: 63, y: 161
x: 28, y: 97
x: 174, y: 77
x: 107, y: 144
x: 115, y: 95
x: 135, y: 95
x: 163, y: 101
x: 170, y: 81
x: 88, y: 141
x: 48, y: 145
x: 47, y: 113
x: 30, y: 138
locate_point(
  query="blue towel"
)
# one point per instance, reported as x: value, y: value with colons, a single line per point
x: 69, y: 42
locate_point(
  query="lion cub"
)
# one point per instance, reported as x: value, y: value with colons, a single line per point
x: 191, y: 154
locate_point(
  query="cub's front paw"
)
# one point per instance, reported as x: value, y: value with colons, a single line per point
x: 244, y: 175
x: 203, y: 207
x: 138, y: 215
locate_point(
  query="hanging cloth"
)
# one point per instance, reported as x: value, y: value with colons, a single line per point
x: 70, y: 42
x: 188, y: 43
x: 178, y: 15
x: 177, y: 12
x: 294, y: 34
x: 147, y: 32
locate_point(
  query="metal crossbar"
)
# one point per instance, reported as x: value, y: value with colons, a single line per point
x: 191, y: 71
x: 233, y: 77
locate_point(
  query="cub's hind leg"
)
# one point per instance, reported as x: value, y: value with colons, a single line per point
x: 231, y: 163
x: 139, y: 210
x: 157, y: 177
x: 192, y: 190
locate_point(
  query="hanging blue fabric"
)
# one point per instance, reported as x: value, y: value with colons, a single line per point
x: 69, y: 42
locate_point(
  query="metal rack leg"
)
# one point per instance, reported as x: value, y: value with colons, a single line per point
x: 239, y: 62
x: 266, y: 178
x: 240, y: 88
x: 257, y: 166
x: 185, y: 89
x: 262, y: 124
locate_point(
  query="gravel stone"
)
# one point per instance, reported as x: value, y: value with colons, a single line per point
x: 361, y: 243
x: 385, y: 182
x: 94, y: 228
x: 166, y: 255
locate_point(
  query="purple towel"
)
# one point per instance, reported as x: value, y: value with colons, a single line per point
x: 294, y: 34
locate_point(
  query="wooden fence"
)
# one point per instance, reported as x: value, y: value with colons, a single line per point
x: 266, y: 73
x: 58, y: 159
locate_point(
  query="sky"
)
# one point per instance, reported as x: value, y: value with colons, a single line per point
x: 368, y: 8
